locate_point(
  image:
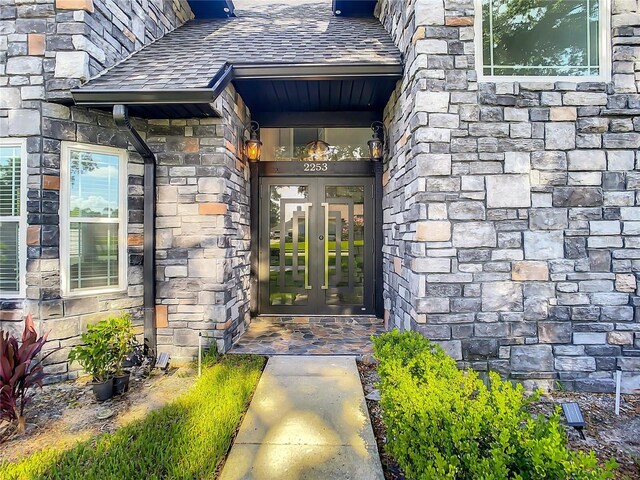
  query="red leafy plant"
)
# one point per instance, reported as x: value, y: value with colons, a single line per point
x: 19, y: 371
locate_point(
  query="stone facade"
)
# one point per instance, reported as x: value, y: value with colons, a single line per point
x: 511, y: 209
x: 48, y: 47
x: 203, y: 234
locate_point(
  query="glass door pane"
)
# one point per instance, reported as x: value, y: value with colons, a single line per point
x: 344, y: 244
x: 289, y: 207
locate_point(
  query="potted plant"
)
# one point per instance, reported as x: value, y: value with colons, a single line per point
x: 97, y: 358
x: 122, y: 342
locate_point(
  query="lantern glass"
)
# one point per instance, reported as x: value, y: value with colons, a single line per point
x: 375, y: 148
x: 252, y: 149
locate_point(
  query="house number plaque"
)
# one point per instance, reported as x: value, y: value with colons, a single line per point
x: 315, y: 167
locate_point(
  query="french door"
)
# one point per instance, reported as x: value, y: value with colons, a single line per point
x: 316, y: 246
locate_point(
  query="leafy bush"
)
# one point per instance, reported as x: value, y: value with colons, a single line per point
x: 96, y: 355
x: 186, y: 439
x: 122, y: 339
x: 105, y: 346
x: 19, y: 371
x: 445, y: 423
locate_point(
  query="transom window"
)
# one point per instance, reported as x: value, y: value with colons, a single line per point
x: 93, y: 218
x: 314, y: 144
x: 13, y: 242
x: 543, y: 38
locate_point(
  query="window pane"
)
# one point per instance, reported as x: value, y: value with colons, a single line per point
x: 9, y: 257
x: 10, y: 181
x: 291, y: 144
x: 94, y: 186
x: 93, y: 251
x: 540, y: 37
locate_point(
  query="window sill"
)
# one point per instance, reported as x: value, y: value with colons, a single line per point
x: 15, y: 297
x: 515, y: 79
x: 93, y: 291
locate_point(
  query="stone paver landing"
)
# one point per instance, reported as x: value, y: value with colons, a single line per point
x: 307, y: 420
x: 309, y: 336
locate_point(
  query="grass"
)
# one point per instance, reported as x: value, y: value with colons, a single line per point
x: 183, y: 440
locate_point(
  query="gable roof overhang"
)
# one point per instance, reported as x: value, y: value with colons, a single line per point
x: 276, y: 61
x: 345, y: 93
x: 264, y: 88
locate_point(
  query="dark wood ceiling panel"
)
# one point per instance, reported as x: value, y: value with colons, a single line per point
x: 354, y: 94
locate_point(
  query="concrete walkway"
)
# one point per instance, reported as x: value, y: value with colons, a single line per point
x: 307, y: 420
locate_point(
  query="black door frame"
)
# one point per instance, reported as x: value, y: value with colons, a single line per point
x: 297, y: 169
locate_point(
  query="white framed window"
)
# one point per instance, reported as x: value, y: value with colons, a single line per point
x: 540, y: 40
x: 93, y: 219
x: 13, y: 217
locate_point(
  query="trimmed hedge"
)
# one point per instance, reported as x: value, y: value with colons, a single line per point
x: 445, y: 423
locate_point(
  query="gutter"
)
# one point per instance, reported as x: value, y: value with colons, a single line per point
x: 315, y: 71
x: 121, y: 118
x: 95, y: 97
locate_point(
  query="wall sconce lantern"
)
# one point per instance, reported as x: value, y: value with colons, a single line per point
x: 376, y: 144
x: 253, y: 146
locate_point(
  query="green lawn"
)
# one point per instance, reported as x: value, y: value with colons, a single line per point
x: 183, y: 440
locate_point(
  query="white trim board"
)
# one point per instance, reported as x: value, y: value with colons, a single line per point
x: 65, y: 221
x: 605, y: 53
x: 22, y: 218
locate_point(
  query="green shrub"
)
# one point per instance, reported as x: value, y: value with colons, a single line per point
x: 105, y: 346
x: 445, y: 423
x: 96, y: 355
x: 183, y: 440
x: 122, y: 339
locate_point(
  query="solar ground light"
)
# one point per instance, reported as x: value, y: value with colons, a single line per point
x: 574, y: 416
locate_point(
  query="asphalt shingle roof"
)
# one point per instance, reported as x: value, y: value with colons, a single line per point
x: 263, y: 32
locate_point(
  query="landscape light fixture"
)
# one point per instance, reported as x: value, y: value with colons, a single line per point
x: 376, y: 144
x: 574, y: 417
x: 253, y: 146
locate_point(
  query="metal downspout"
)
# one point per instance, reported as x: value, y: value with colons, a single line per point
x: 121, y: 118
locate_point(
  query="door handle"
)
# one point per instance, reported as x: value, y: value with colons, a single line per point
x: 325, y: 205
x: 307, y: 206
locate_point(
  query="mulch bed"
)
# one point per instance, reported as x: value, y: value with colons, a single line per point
x: 369, y: 377
x: 65, y: 413
x: 610, y: 436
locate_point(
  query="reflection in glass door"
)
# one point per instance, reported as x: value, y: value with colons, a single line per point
x: 316, y: 246
x: 289, y: 245
x: 344, y: 240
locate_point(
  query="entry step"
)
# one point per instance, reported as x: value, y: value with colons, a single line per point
x: 309, y: 335
x: 320, y: 319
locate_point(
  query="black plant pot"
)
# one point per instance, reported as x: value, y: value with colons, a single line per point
x: 121, y: 384
x: 134, y: 358
x: 103, y: 391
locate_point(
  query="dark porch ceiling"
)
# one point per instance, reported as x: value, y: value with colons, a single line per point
x: 351, y: 94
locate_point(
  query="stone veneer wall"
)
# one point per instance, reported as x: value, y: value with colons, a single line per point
x: 47, y: 47
x: 203, y: 234
x: 512, y: 210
